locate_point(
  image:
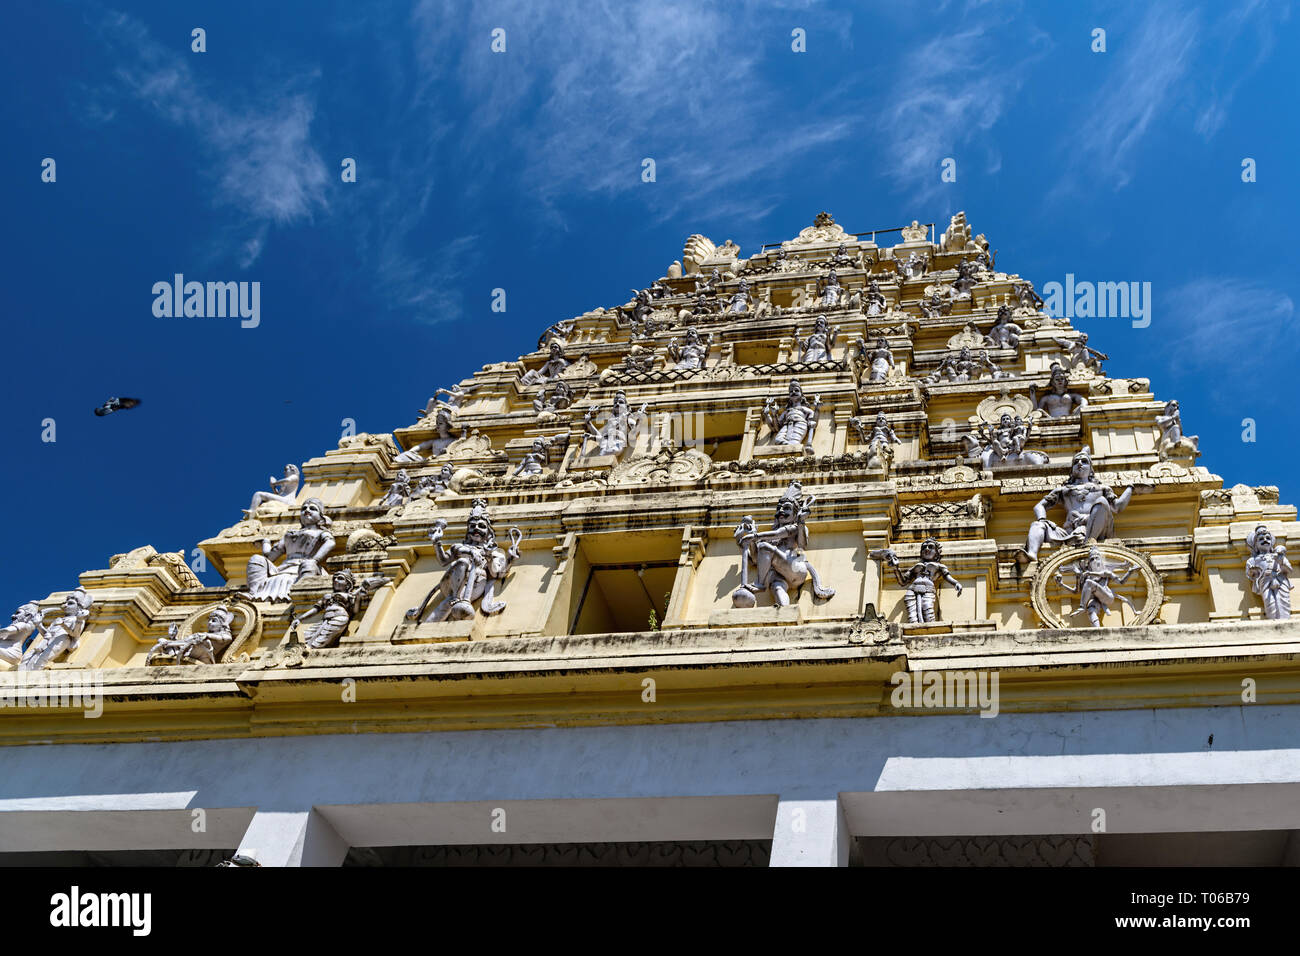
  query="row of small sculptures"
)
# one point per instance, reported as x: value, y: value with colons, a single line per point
x: 773, y: 560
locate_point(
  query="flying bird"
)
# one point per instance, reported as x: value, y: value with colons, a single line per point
x: 113, y: 404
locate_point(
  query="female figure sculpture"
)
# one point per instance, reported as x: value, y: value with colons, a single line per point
x: 304, y: 550
x: 399, y: 492
x: 1269, y: 572
x: 339, y: 607
x: 794, y: 424
x: 741, y: 300
x: 474, y: 568
x: 284, y: 490
x: 1093, y: 585
x: 63, y: 634
x: 778, y: 555
x: 921, y: 581
x: 536, y: 460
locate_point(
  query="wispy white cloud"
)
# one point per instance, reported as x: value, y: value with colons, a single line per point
x: 1207, y: 313
x: 1248, y: 53
x: 586, y: 91
x: 262, y: 161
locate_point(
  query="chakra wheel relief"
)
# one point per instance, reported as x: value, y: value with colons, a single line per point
x: 1104, y: 584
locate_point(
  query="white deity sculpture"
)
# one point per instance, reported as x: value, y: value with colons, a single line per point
x: 817, y: 347
x: 474, y: 569
x: 62, y: 636
x: 304, y: 550
x: 1095, y: 583
x: 879, y: 440
x: 873, y: 302
x: 1078, y: 353
x: 878, y: 360
x: 338, y: 608
x: 829, y: 290
x: 778, y: 555
x: 964, y: 367
x: 285, y: 490
x: 693, y: 353
x: 921, y: 581
x: 205, y: 647
x: 399, y: 492
x: 1005, y: 334
x: 1058, y: 401
x: 741, y: 300
x: 1090, y: 509
x: 1173, y: 442
x: 794, y: 424
x: 1003, y: 443
x: 23, y: 623
x: 536, y: 460
x: 619, y: 427
x: 1269, y: 571
x: 442, y: 412
x: 552, y: 369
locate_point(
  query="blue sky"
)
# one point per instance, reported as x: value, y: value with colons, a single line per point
x: 522, y: 170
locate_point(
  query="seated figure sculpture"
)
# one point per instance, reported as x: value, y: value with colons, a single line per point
x: 202, y: 647
x: 794, y: 424
x: 964, y: 368
x: 1005, y: 334
x: 817, y: 347
x: 285, y: 490
x: 778, y: 555
x: 475, y: 567
x: 1090, y: 510
x: 399, y: 492
x: 1058, y: 401
x: 442, y: 412
x: 304, y: 550
x: 62, y: 636
x: 535, y: 460
x: 552, y: 369
x: 1003, y: 443
x: 339, y: 608
x: 1173, y: 443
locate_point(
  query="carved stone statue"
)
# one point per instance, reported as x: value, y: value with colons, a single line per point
x: 709, y: 285
x: 1095, y: 583
x: 556, y: 397
x: 1077, y: 353
x: 1005, y: 334
x: 817, y: 347
x: 693, y: 353
x: 430, y: 486
x: 741, y: 300
x: 964, y: 368
x: 873, y: 302
x: 475, y: 568
x: 399, y: 492
x: 639, y: 359
x: 23, y: 623
x: 914, y: 268
x: 536, y: 460
x: 62, y: 636
x: 442, y: 412
x: 879, y: 440
x: 794, y: 424
x: 1058, y: 401
x: 304, y: 550
x: 878, y: 360
x: 1173, y: 443
x: 1004, y: 443
x: 967, y: 271
x: 778, y: 555
x: 621, y: 424
x: 1027, y: 297
x: 285, y: 490
x: 841, y: 258
x: 203, y: 647
x: 829, y: 290
x: 552, y: 369
x: 921, y: 581
x: 937, y: 303
x: 560, y: 330
x: 1270, y: 573
x: 339, y: 607
x: 1090, y: 509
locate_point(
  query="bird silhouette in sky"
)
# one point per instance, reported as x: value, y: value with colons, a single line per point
x: 113, y: 404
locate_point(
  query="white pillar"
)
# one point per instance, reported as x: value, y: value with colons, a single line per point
x: 293, y: 838
x: 810, y: 833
